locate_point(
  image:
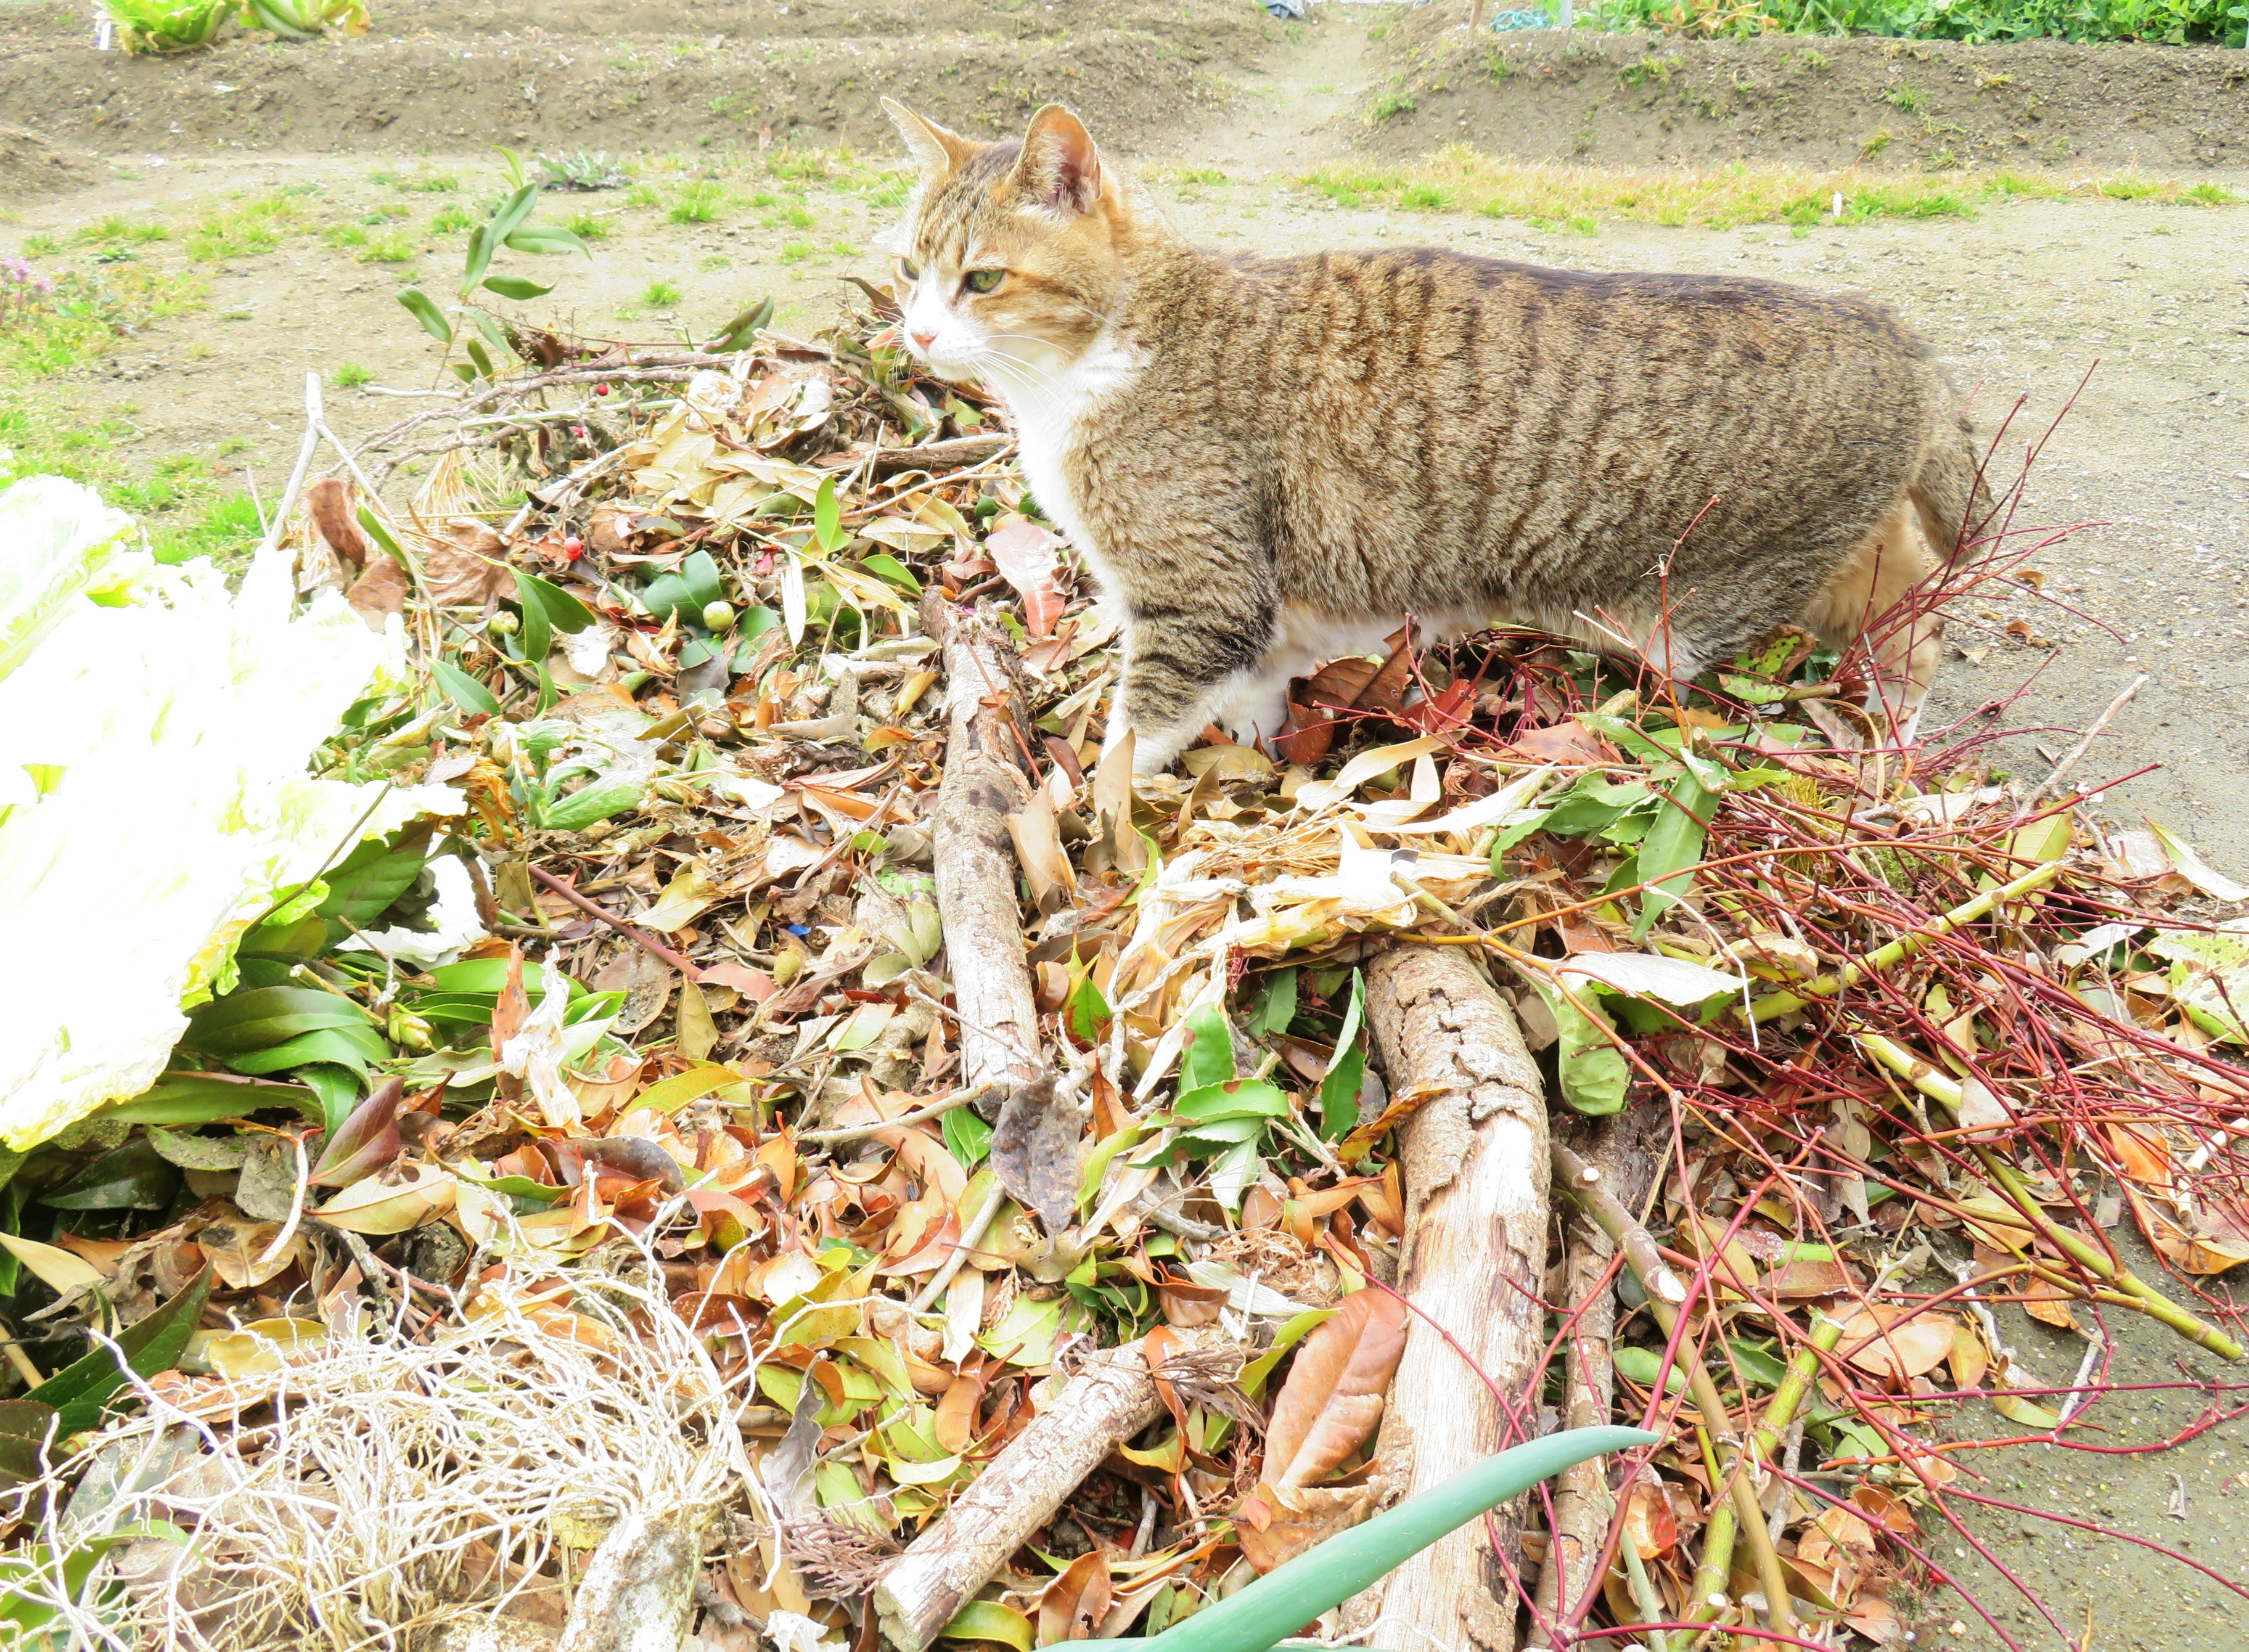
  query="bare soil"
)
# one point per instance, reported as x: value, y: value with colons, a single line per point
x: 444, y: 75
x: 1652, y: 100
x: 2020, y: 302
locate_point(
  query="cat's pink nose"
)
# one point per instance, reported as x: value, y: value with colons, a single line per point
x: 924, y: 340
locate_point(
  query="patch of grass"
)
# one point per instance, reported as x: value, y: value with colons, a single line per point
x: 1391, y: 104
x: 2176, y: 22
x: 1904, y: 95
x: 643, y: 195
x: 711, y: 263
x: 52, y: 319
x: 701, y: 201
x: 397, y: 247
x: 797, y: 252
x: 243, y: 231
x: 117, y: 231
x: 1461, y: 179
x: 350, y: 375
x: 452, y: 221
x: 436, y: 183
x: 1649, y: 70
x: 344, y: 235
x: 806, y: 163
x: 388, y: 211
x: 659, y: 293
x: 223, y: 530
x: 1192, y: 174
x: 588, y: 226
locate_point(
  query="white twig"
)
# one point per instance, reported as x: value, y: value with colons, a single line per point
x: 305, y: 449
x: 2070, y: 759
x: 296, y: 1201
x: 971, y: 1234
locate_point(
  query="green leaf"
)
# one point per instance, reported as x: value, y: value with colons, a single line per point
x: 1671, y: 850
x: 513, y: 211
x: 1232, y: 1098
x: 482, y: 245
x: 1644, y: 1365
x: 967, y: 1137
x: 704, y: 584
x: 828, y: 517
x: 884, y: 566
x: 479, y: 357
x: 1347, y: 1071
x: 204, y: 1098
x: 462, y: 689
x: 1277, y: 1004
x: 515, y: 287
x: 81, y: 1390
x: 1209, y: 1058
x: 1087, y: 1013
x: 263, y: 1016
x: 1594, y: 1075
x: 741, y: 332
x: 133, y: 1177
x: 23, y: 1431
x: 537, y: 635
x: 543, y: 239
x: 1274, y: 1606
x: 564, y: 612
x: 422, y: 308
x: 382, y: 535
x: 989, y: 1620
x: 357, y: 1048
x: 593, y: 804
x: 363, y: 885
x: 1255, y: 1374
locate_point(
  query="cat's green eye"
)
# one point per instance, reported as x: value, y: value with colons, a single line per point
x: 985, y: 280
x: 907, y: 269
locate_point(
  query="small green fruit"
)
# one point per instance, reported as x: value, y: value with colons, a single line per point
x: 717, y: 616
x: 503, y: 622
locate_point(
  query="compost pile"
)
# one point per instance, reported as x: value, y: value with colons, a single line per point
x: 805, y: 1065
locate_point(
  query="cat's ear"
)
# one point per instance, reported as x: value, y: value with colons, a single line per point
x: 935, y: 150
x: 1060, y: 166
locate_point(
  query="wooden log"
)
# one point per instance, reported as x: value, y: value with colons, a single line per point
x: 639, y: 1592
x: 1098, y: 1409
x: 1616, y: 1149
x: 1474, y: 1162
x: 975, y: 858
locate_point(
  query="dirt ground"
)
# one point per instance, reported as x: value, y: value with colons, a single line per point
x: 2020, y: 302
x: 1645, y: 99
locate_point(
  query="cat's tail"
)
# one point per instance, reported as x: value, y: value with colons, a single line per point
x: 1949, y: 493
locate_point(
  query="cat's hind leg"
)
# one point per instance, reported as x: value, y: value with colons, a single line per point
x: 1183, y: 666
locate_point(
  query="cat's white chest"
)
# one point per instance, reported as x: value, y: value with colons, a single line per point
x: 1051, y: 417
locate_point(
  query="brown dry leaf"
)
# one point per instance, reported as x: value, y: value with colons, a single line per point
x: 1072, y: 1606
x: 1569, y: 742
x: 379, y: 592
x: 956, y: 1411
x: 1882, y: 1340
x: 235, y: 1245
x: 1340, y: 682
x: 468, y: 567
x: 329, y: 502
x: 2141, y: 1154
x: 2049, y: 1303
x: 376, y: 1206
x: 1038, y: 847
x: 1801, y: 1279
x: 1872, y: 1617
x: 1274, y: 1527
x: 1333, y: 1397
x: 697, y: 1032
x: 1024, y: 554
x: 1969, y: 1358
x: 1648, y: 1520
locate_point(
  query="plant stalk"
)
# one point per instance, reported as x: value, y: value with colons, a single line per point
x: 1903, y: 947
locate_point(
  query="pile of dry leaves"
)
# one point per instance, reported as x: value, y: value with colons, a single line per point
x: 806, y: 1069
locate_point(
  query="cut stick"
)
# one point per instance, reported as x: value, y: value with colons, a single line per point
x: 1475, y: 1160
x: 1098, y: 1410
x: 984, y: 783
x: 1616, y: 1149
x: 639, y: 1592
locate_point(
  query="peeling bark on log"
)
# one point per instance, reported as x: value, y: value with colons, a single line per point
x: 1616, y: 1146
x: 1105, y: 1405
x: 639, y: 1588
x: 1474, y: 1160
x: 975, y: 858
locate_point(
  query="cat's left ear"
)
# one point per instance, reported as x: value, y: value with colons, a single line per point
x: 1060, y: 168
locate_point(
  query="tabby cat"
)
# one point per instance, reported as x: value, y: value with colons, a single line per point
x: 1269, y: 462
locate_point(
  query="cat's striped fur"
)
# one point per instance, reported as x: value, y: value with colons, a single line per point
x: 1268, y: 461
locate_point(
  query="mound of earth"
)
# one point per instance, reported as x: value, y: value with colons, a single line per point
x: 1652, y: 100
x: 455, y: 74
x: 32, y: 166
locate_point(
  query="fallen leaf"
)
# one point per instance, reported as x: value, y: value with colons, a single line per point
x: 468, y: 567
x: 328, y: 503
x: 1648, y: 1519
x: 374, y: 1205
x: 690, y: 892
x: 1274, y: 1527
x: 1332, y: 1399
x: 1024, y: 553
x: 237, y: 1246
x: 379, y: 592
x: 1034, y: 1151
x: 1072, y: 1606
x: 1883, y: 1341
x: 1970, y: 1359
